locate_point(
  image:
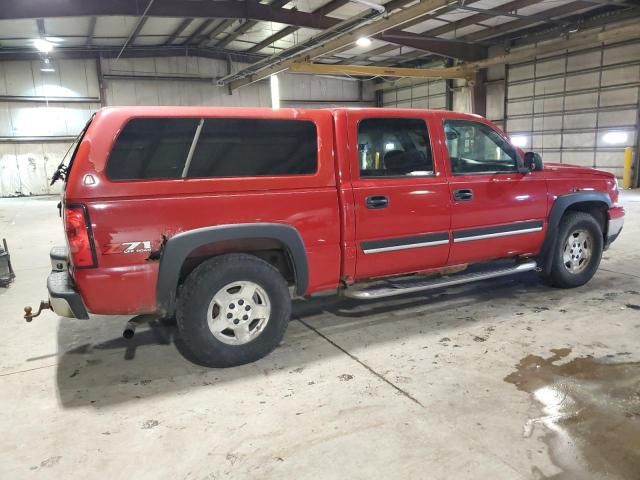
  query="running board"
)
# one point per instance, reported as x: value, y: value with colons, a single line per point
x: 392, y: 289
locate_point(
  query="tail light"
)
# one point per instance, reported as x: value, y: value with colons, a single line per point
x: 79, y: 236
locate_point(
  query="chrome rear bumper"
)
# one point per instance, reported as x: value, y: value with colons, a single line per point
x: 63, y: 297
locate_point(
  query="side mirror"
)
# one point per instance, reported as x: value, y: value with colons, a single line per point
x: 533, y: 162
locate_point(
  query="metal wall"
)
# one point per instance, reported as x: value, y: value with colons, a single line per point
x: 418, y: 94
x: 579, y: 107
x: 41, y: 112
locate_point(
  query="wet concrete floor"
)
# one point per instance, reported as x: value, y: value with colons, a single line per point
x: 589, y: 411
x: 504, y: 380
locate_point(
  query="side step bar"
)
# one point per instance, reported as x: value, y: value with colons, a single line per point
x: 401, y: 288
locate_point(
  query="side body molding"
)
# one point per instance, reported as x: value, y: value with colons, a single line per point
x: 178, y: 248
x: 560, y: 206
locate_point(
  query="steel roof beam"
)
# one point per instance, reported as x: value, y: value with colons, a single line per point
x: 130, y: 52
x: 246, y: 26
x: 498, y: 30
x: 91, y: 30
x: 451, y: 27
x: 394, y: 20
x: 325, y: 9
x: 179, y: 29
x: 198, y: 31
x: 227, y: 9
x: 438, y: 46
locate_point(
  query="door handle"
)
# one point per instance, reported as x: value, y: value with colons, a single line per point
x: 463, y: 195
x: 377, y: 201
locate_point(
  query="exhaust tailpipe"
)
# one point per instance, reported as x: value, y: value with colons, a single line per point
x: 130, y: 328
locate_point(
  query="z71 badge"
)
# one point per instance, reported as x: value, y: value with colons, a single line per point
x: 128, y: 247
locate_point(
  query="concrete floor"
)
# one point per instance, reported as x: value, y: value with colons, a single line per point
x: 457, y: 384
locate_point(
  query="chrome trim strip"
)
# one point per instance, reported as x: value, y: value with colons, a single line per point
x: 405, y: 247
x: 499, y: 234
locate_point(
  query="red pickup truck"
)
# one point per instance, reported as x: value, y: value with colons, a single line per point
x: 220, y: 216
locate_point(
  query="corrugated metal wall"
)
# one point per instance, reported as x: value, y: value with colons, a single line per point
x: 41, y: 112
x: 568, y: 107
x: 419, y: 94
x: 578, y: 107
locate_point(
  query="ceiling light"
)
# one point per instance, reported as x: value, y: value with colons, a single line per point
x: 519, y: 141
x: 615, y: 138
x: 43, y: 45
x: 47, y: 66
x: 363, y: 42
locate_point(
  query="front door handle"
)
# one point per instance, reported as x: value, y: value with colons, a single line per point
x: 463, y: 195
x: 377, y: 201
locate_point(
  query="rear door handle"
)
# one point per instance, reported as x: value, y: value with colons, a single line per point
x: 377, y: 201
x: 463, y: 195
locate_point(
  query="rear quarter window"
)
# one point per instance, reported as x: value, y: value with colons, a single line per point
x: 159, y: 148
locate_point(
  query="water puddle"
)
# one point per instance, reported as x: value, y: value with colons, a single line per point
x: 590, y: 413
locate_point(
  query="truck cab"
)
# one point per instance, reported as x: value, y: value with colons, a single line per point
x: 219, y: 216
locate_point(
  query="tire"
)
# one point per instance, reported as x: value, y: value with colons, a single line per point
x: 214, y: 316
x: 577, y: 252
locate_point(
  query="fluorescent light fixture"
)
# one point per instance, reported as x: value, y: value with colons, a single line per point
x: 615, y: 138
x: 389, y: 146
x: 43, y: 45
x: 363, y: 42
x: 520, y: 141
x: 275, y: 91
x: 47, y: 66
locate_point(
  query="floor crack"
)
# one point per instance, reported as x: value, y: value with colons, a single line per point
x: 356, y: 359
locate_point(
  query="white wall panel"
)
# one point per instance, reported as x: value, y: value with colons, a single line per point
x: 546, y: 122
x: 599, y: 93
x: 619, y: 96
x: 582, y: 120
x: 582, y: 81
x: 583, y: 61
x: 421, y: 94
x: 26, y: 165
x: 616, y: 118
x: 26, y: 168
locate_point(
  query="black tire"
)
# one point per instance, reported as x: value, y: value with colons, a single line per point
x: 560, y: 275
x: 197, y: 292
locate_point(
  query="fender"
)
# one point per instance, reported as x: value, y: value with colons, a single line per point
x: 559, y: 207
x: 178, y: 248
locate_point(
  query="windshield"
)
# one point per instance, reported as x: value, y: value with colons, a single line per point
x: 62, y: 172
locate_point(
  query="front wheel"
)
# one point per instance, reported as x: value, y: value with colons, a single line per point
x: 578, y: 251
x: 232, y: 310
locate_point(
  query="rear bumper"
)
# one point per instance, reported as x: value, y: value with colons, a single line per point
x: 63, y: 297
x: 614, y: 225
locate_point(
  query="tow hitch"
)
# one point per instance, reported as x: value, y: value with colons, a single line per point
x: 28, y: 316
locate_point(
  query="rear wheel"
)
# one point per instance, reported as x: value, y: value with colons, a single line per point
x: 578, y: 251
x: 232, y: 310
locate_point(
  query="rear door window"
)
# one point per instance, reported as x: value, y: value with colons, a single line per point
x: 244, y: 147
x: 394, y: 147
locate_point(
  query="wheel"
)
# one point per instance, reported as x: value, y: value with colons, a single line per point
x: 232, y: 310
x: 578, y: 251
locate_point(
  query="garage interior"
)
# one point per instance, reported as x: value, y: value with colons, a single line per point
x: 436, y: 385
